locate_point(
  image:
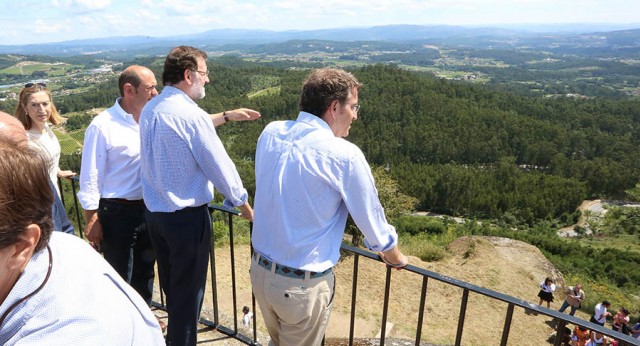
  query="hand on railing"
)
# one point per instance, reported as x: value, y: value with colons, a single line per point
x: 246, y: 211
x: 394, y: 258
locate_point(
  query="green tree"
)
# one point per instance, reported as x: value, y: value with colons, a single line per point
x: 394, y: 202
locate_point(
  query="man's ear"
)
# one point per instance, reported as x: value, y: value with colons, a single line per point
x: 128, y: 88
x: 24, y: 247
x: 188, y: 76
x: 333, y: 107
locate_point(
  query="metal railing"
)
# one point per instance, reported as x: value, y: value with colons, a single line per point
x: 421, y: 274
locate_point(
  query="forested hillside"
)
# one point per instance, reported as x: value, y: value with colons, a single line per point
x: 460, y: 149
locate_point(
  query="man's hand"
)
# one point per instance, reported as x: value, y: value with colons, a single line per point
x: 394, y: 258
x: 93, y: 228
x: 243, y: 114
x: 66, y: 174
x: 240, y: 114
x: 246, y: 212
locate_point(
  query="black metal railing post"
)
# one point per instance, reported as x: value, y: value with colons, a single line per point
x: 214, y: 286
x: 559, y: 332
x: 507, y: 325
x: 233, y: 274
x: 75, y: 180
x: 423, y: 299
x: 385, y: 306
x: 253, y: 297
x: 463, y: 311
x: 354, y: 291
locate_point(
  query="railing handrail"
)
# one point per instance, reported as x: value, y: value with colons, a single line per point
x: 512, y: 302
x: 500, y: 296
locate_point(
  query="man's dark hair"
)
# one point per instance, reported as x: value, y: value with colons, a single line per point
x: 25, y: 194
x: 178, y: 60
x: 128, y: 76
x: 606, y: 302
x: 324, y: 86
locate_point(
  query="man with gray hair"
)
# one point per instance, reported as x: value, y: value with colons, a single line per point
x: 182, y: 159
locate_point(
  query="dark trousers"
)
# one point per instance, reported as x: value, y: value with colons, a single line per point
x: 126, y: 244
x: 182, y: 240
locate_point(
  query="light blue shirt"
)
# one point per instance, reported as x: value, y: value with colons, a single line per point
x: 307, y: 182
x: 182, y: 156
x: 84, y: 302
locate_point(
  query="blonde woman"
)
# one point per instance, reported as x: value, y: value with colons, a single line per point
x: 37, y: 112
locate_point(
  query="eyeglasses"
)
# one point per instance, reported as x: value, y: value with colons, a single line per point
x: 355, y: 107
x: 30, y: 85
x: 203, y: 73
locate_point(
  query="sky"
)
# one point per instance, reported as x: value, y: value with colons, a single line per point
x: 42, y: 21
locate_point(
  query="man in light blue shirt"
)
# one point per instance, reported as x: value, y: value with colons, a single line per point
x: 308, y: 179
x: 182, y: 158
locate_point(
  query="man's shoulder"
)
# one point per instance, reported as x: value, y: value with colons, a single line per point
x: 105, y: 117
x: 63, y: 242
x: 277, y: 125
x: 175, y: 108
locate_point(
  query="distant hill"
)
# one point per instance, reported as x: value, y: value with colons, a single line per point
x: 526, y: 36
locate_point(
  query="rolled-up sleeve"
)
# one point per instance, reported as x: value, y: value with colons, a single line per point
x: 361, y: 198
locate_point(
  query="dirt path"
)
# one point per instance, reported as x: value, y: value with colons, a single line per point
x: 569, y: 231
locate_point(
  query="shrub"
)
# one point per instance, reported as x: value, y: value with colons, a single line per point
x: 415, y: 225
x: 422, y: 247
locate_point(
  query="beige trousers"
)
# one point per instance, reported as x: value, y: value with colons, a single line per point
x: 295, y: 310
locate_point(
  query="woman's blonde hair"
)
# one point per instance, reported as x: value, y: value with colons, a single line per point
x: 21, y: 111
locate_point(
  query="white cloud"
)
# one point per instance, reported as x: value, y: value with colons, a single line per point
x: 58, y: 3
x: 47, y: 27
x: 287, y: 5
x: 145, y: 15
x: 93, y: 4
x: 86, y: 20
x: 179, y: 7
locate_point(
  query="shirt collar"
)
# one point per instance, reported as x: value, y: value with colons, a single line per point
x: 127, y: 117
x: 171, y: 90
x: 313, y: 120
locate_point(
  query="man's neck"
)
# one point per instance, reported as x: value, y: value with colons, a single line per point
x: 182, y: 86
x: 130, y: 108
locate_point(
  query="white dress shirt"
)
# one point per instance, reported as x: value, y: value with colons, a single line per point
x: 110, y: 158
x: 183, y: 157
x: 307, y: 182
